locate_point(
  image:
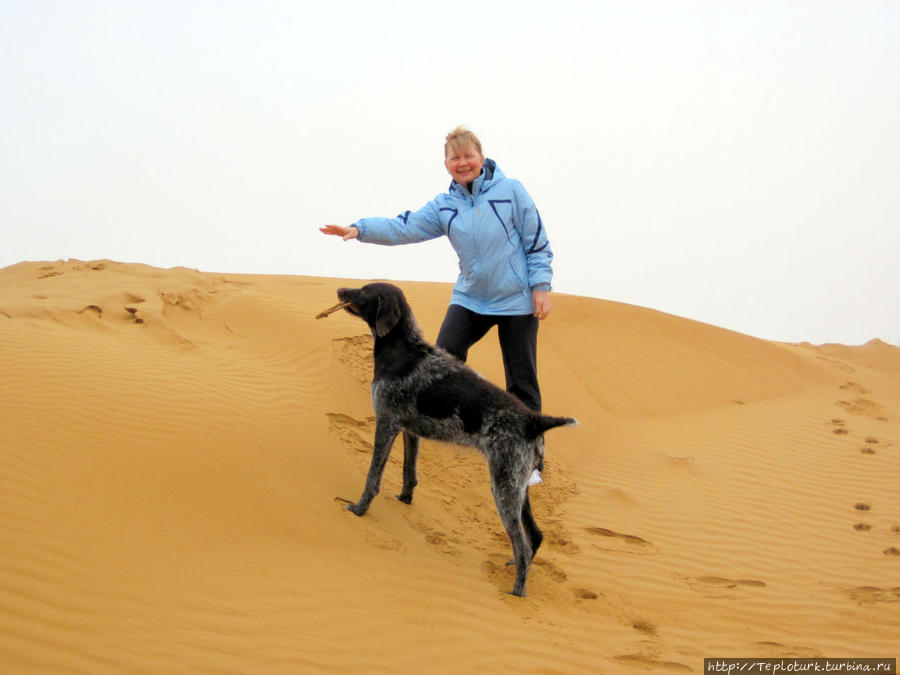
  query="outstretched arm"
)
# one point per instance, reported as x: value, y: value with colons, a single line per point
x: 408, y: 227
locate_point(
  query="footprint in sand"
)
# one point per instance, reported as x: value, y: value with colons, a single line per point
x: 721, y: 587
x: 356, y: 355
x: 557, y: 536
x: 352, y: 433
x: 501, y: 573
x: 865, y: 407
x: 95, y: 265
x: 383, y: 540
x: 840, y: 426
x: 871, y: 441
x: 866, y: 527
x: 865, y: 595
x: 48, y: 271
x: 769, y: 649
x: 854, y: 387
x: 585, y: 594
x: 645, y: 626
x: 93, y: 308
x: 547, y: 501
x: 551, y: 570
x: 645, y: 662
x: 620, y: 543
x: 136, y: 314
x: 439, y: 539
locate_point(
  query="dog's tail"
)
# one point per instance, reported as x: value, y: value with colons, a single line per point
x: 538, y: 424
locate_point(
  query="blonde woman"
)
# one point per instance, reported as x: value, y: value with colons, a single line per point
x: 504, y: 259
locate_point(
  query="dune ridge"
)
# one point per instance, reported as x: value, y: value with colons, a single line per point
x: 178, y: 446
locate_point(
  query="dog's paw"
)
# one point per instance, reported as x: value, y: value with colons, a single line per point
x: 356, y: 509
x: 406, y: 499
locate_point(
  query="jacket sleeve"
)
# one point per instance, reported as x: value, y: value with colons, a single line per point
x: 408, y: 227
x: 538, y: 254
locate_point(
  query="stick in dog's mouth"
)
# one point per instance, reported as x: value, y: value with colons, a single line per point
x: 332, y: 310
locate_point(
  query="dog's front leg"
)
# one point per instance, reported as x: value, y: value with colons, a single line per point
x: 410, y: 455
x: 384, y: 439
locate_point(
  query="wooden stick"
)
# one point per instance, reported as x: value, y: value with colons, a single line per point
x: 332, y: 310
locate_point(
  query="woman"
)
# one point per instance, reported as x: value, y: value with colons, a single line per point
x: 504, y: 259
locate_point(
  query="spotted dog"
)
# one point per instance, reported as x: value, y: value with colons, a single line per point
x: 422, y: 390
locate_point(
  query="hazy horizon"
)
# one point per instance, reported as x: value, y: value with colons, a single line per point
x: 732, y: 163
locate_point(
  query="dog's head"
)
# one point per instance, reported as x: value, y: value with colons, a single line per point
x: 380, y: 305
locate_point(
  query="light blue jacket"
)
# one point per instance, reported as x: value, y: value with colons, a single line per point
x: 497, y: 233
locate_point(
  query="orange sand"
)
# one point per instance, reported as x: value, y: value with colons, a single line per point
x: 175, y: 445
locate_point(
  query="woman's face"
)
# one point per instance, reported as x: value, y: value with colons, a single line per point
x: 464, y: 165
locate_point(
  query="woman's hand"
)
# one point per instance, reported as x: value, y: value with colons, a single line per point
x: 341, y: 231
x: 541, y: 300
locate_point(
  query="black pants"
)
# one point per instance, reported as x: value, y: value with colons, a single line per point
x: 462, y: 328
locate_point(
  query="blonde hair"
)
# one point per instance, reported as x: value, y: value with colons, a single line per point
x: 460, y: 139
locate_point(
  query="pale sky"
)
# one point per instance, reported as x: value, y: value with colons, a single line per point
x: 735, y: 162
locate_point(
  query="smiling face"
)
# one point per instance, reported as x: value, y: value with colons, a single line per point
x: 464, y: 163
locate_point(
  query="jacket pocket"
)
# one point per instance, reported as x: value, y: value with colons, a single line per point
x: 519, y: 273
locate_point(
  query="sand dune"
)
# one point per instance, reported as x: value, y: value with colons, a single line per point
x: 175, y: 447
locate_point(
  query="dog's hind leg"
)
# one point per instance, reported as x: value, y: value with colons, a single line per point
x: 532, y: 531
x: 384, y: 439
x: 410, y: 455
x: 509, y: 496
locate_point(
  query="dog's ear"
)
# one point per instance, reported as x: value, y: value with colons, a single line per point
x: 388, y: 314
x: 538, y: 424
